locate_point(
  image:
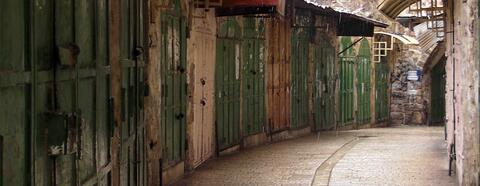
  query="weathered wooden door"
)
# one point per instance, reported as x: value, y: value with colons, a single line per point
x: 253, y: 76
x: 173, y: 79
x: 299, y: 72
x: 324, y: 87
x: 15, y: 95
x: 69, y: 78
x: 132, y: 156
x: 227, y: 84
x: 438, y: 93
x: 382, y: 78
x: 347, y: 65
x: 363, y: 83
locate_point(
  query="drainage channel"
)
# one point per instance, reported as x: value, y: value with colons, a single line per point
x: 324, y: 171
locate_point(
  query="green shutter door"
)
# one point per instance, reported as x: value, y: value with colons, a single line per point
x: 227, y: 84
x: 324, y: 92
x: 438, y: 93
x: 173, y: 79
x: 299, y: 74
x: 381, y: 90
x: 363, y: 83
x: 70, y: 104
x: 253, y: 76
x: 347, y: 64
x: 15, y: 94
x: 132, y: 157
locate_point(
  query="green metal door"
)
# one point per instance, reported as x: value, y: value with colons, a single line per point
x: 15, y: 95
x: 363, y: 83
x: 324, y: 91
x: 132, y: 155
x: 347, y: 65
x: 438, y: 93
x: 173, y: 80
x: 382, y: 78
x: 253, y: 76
x: 299, y: 72
x: 69, y: 78
x: 227, y: 84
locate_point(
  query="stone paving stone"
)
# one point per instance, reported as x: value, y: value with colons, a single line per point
x: 391, y: 156
x: 395, y: 156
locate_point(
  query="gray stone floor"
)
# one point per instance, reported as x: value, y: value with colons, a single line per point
x: 384, y: 156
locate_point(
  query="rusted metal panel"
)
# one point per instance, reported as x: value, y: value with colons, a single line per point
x: 227, y: 84
x: 253, y: 76
x: 201, y: 66
x: 278, y: 41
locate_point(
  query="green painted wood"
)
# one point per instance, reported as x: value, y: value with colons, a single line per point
x: 227, y: 84
x: 253, y: 76
x: 438, y: 93
x: 382, y: 77
x: 132, y: 130
x: 363, y: 83
x: 173, y: 80
x: 300, y: 41
x: 347, y: 65
x: 324, y: 87
x: 14, y: 98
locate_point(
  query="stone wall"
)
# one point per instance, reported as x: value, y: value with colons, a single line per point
x: 407, y: 108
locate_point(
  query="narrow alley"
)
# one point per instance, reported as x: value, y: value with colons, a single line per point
x: 382, y: 156
x: 239, y: 92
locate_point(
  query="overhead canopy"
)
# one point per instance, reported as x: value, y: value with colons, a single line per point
x: 244, y: 7
x: 349, y: 24
x: 393, y: 8
x: 405, y: 39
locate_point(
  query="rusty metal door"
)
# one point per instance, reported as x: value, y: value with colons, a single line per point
x: 363, y: 83
x: 278, y: 73
x: 63, y: 89
x: 174, y: 85
x: 438, y: 93
x: 347, y: 65
x: 382, y: 78
x: 299, y: 72
x: 253, y: 76
x: 324, y: 87
x: 132, y: 155
x: 227, y: 84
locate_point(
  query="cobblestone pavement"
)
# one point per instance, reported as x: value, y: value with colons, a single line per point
x: 395, y: 156
x: 387, y: 156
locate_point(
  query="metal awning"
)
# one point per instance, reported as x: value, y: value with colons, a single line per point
x: 349, y: 23
x: 393, y: 8
x: 405, y: 39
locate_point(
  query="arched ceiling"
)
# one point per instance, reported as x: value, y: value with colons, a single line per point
x: 393, y: 8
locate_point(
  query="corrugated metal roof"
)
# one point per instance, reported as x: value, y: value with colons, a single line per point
x: 407, y: 40
x: 346, y: 12
x: 393, y: 8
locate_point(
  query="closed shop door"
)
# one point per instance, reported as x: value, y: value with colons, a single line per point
x: 299, y: 73
x: 71, y: 90
x: 173, y: 79
x: 15, y: 94
x: 253, y: 76
x: 347, y: 74
x: 382, y: 79
x: 363, y: 83
x: 132, y: 157
x: 324, y: 91
x: 227, y: 84
x: 438, y: 93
